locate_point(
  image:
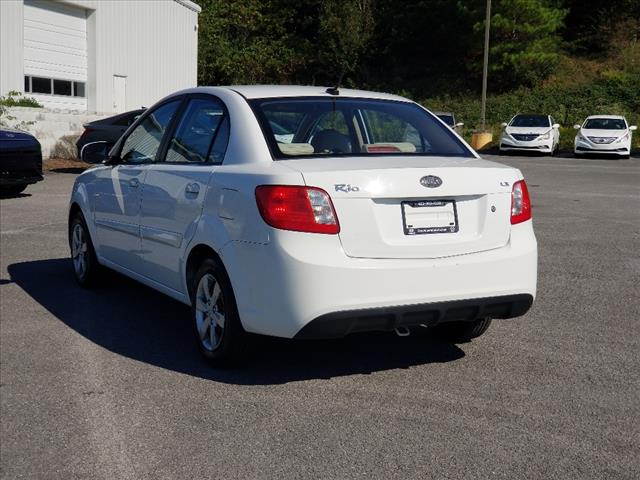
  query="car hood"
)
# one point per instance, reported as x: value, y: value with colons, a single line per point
x: 603, y: 133
x: 527, y: 130
x: 10, y: 134
x: 15, y: 139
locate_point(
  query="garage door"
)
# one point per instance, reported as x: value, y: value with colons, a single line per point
x: 55, y: 54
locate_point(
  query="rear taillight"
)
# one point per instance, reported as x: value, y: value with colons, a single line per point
x: 297, y: 208
x: 520, y: 203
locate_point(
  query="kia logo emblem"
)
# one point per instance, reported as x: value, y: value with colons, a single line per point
x: 431, y: 181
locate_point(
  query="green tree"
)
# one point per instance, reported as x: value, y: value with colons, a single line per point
x: 344, y: 33
x: 525, y: 41
x: 594, y: 27
x: 245, y: 41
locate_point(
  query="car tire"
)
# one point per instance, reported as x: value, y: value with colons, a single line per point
x: 463, y: 331
x: 217, y: 327
x: 13, y: 191
x: 85, y: 264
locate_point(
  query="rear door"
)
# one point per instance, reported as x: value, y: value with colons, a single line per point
x: 175, y: 187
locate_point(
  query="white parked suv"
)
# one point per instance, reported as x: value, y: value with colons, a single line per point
x: 532, y: 133
x: 604, y: 134
x: 305, y: 212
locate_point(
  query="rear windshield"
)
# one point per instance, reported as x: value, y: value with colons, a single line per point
x: 347, y: 127
x: 530, y: 121
x: 605, y: 124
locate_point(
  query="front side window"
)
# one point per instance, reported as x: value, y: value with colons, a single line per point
x: 605, y: 124
x: 196, y: 131
x: 143, y: 143
x: 353, y: 127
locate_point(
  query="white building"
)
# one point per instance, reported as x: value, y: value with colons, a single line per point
x: 98, y: 55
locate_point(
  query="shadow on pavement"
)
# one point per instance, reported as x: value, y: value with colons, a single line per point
x: 76, y: 170
x: 6, y: 195
x: 132, y: 320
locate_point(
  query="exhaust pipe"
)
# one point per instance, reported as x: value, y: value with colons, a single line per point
x: 402, y: 331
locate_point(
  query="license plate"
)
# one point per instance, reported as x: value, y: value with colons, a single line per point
x: 421, y: 217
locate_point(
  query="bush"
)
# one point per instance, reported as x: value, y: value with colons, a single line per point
x: 613, y: 92
x: 16, y: 99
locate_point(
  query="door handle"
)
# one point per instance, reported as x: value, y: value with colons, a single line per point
x: 192, y: 188
x: 134, y: 183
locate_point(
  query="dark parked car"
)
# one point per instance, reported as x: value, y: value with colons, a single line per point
x: 108, y: 129
x: 20, y: 161
x: 450, y: 119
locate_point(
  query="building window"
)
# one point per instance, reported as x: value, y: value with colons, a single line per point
x: 65, y: 88
x: 78, y: 89
x: 40, y: 85
x: 62, y: 87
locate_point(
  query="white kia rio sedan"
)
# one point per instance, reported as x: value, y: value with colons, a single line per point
x: 304, y: 212
x: 604, y: 134
x: 532, y: 133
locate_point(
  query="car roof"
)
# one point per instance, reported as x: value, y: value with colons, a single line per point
x: 283, y: 91
x: 614, y: 117
x: 443, y: 113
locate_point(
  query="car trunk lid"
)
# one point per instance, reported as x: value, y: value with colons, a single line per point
x: 391, y: 207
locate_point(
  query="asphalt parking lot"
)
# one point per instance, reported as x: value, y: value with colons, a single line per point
x: 108, y: 384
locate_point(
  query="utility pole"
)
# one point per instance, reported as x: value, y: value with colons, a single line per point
x: 485, y: 69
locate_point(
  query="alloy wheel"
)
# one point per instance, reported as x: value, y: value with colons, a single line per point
x: 210, y: 312
x: 79, y: 248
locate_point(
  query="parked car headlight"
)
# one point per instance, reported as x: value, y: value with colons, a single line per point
x: 623, y: 138
x: 580, y: 137
x: 546, y: 136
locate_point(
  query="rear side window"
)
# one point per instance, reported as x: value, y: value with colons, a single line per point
x: 353, y: 127
x: 201, y: 122
x: 142, y: 144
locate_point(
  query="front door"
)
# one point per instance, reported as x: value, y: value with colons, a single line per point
x: 119, y: 190
x: 175, y: 188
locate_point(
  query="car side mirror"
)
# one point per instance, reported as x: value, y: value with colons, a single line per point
x: 633, y: 128
x: 96, y: 152
x: 459, y: 124
x: 577, y: 127
x: 504, y: 124
x: 555, y: 126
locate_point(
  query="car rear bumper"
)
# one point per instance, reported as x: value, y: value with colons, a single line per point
x: 304, y: 279
x: 340, y: 324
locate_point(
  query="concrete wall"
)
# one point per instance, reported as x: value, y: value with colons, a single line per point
x: 56, y: 130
